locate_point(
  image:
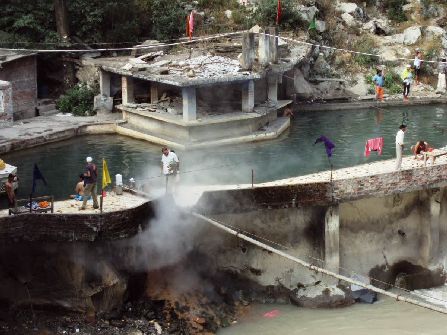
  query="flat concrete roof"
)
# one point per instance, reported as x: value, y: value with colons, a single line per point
x: 176, y: 75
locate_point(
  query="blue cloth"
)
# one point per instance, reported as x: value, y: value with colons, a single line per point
x: 81, y: 198
x: 379, y: 80
x: 33, y: 205
x: 327, y: 143
x: 36, y: 176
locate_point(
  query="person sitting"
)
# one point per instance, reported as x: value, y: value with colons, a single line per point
x: 419, y: 149
x: 79, y: 189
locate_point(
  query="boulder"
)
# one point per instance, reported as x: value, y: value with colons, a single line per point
x: 349, y: 20
x: 302, y: 87
x: 228, y: 14
x: 320, y: 296
x: 412, y: 35
x: 378, y: 27
x: 393, y: 39
x: 432, y: 32
x: 321, y: 26
x: 387, y: 54
x: 307, y: 13
x: 351, y: 8
x: 346, y: 7
x: 360, y: 88
x: 444, y: 41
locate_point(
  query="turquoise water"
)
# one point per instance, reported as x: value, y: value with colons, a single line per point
x: 291, y: 155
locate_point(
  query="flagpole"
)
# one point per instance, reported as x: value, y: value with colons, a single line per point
x: 101, y: 199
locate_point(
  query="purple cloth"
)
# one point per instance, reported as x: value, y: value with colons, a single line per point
x: 327, y: 143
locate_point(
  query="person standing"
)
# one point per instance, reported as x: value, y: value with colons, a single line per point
x: 400, y: 136
x: 170, y: 167
x: 407, y: 77
x: 9, y: 187
x: 379, y: 82
x: 417, y: 65
x: 442, y: 70
x: 90, y: 177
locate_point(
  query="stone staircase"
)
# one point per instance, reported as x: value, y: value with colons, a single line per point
x: 46, y: 107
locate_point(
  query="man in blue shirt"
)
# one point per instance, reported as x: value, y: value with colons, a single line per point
x: 379, y: 82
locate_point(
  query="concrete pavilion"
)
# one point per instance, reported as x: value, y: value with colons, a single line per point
x: 195, y: 97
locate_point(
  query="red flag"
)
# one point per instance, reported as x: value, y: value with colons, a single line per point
x: 278, y: 12
x: 191, y: 25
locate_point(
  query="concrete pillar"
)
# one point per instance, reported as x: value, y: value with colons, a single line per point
x: 273, y: 44
x: 272, y: 90
x: 154, y: 93
x: 248, y: 51
x: 127, y: 88
x: 248, y: 96
x: 263, y: 49
x: 6, y: 105
x: 189, y: 104
x: 435, y: 212
x: 332, y: 239
x: 104, y: 83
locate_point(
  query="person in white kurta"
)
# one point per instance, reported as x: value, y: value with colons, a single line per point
x: 170, y: 165
x: 400, y: 137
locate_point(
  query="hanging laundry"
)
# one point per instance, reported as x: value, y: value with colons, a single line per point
x: 374, y: 144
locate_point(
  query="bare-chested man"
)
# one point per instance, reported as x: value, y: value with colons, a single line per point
x: 9, y: 186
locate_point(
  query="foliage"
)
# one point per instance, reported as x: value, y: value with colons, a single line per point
x: 77, y: 100
x: 265, y: 15
x: 25, y: 21
x: 367, y: 45
x: 395, y: 11
x: 168, y: 19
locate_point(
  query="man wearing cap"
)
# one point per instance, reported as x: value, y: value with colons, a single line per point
x: 170, y: 167
x: 407, y: 77
x: 90, y: 176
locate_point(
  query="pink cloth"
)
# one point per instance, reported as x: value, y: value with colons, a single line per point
x: 374, y: 144
x: 191, y: 23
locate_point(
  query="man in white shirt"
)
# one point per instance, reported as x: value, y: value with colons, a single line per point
x: 400, y: 136
x: 170, y: 167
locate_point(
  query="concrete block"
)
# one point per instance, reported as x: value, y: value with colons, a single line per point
x: 127, y: 88
x: 248, y: 96
x: 248, y: 51
x: 104, y: 83
x: 103, y: 103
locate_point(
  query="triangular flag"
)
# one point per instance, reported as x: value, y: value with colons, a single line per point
x: 313, y: 24
x: 278, y: 12
x: 105, y: 174
x: 36, y: 176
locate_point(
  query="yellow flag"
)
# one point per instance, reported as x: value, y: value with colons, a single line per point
x: 105, y: 174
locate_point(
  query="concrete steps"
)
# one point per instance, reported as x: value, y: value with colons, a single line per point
x: 47, y: 107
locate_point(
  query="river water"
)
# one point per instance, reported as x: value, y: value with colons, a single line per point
x: 385, y: 317
x: 291, y: 155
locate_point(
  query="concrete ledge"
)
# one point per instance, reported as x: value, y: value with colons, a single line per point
x: 31, y: 141
x: 315, y: 106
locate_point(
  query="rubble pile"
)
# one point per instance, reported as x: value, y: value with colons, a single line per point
x: 206, y: 67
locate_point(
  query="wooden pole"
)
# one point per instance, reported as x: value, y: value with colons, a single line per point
x: 321, y: 270
x: 252, y: 177
x: 101, y: 200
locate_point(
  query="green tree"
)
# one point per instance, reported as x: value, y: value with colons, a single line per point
x: 168, y: 19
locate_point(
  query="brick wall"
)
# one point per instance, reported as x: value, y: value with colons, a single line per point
x: 22, y: 75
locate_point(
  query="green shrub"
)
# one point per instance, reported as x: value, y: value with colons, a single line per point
x: 393, y: 83
x: 77, y: 100
x: 366, y: 45
x: 265, y: 15
x: 395, y: 11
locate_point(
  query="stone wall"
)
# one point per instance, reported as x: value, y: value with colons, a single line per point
x: 6, y: 108
x: 75, y: 227
x: 22, y: 75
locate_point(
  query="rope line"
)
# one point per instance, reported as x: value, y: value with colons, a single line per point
x: 321, y: 270
x: 139, y: 47
x: 346, y: 270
